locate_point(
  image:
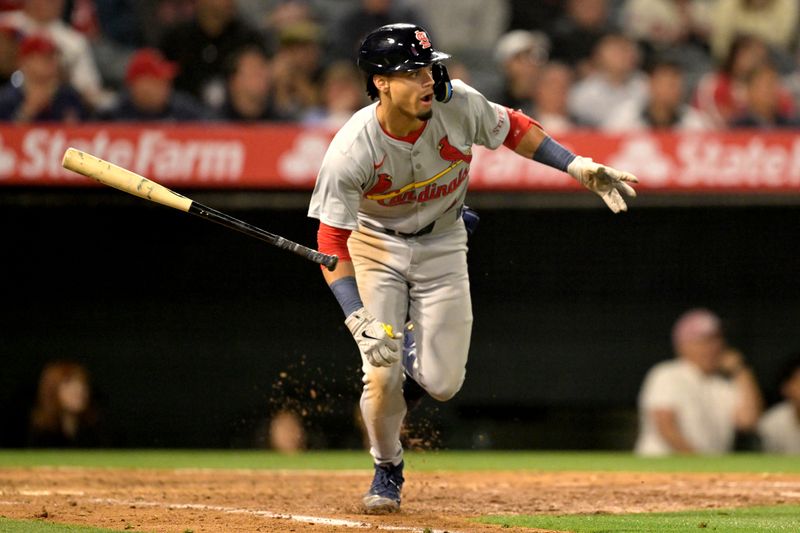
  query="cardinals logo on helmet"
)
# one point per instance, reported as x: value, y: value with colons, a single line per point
x: 422, y: 37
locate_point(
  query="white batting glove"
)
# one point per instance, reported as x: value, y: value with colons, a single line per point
x: 376, y: 340
x: 604, y: 181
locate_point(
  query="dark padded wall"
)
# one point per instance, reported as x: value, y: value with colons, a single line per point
x: 195, y: 334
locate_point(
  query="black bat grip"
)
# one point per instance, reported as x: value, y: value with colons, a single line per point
x: 200, y: 210
x: 328, y: 261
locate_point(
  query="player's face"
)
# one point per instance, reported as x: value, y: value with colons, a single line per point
x: 411, y: 93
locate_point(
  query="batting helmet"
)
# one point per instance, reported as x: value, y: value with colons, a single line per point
x: 396, y: 48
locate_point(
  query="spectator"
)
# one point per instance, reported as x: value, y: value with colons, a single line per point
x: 665, y: 106
x: 550, y: 98
x: 150, y: 95
x: 695, y: 403
x: 779, y: 428
x: 117, y: 34
x: 356, y: 23
x: 203, y: 45
x: 763, y: 101
x: 64, y: 415
x: 44, y: 17
x: 520, y: 54
x: 615, y: 80
x: 39, y: 95
x: 772, y: 21
x: 464, y: 27
x: 161, y: 16
x: 679, y: 27
x: 722, y: 95
x: 249, y: 95
x: 667, y: 24
x: 576, y: 34
x: 9, y: 50
x: 297, y: 70
x: 342, y: 95
x: 286, y: 432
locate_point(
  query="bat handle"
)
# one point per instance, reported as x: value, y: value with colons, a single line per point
x: 328, y: 261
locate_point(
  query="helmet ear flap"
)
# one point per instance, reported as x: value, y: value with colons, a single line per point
x: 442, y: 88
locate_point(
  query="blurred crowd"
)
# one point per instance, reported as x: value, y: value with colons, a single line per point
x: 607, y: 64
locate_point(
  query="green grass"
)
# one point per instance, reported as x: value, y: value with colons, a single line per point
x: 426, y: 461
x: 747, y: 520
x: 37, y: 526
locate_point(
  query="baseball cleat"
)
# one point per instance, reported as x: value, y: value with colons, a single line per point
x: 384, y: 493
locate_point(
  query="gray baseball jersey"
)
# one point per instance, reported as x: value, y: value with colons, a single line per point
x: 370, y: 176
x: 371, y: 181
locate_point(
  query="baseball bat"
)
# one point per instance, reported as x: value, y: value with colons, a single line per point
x: 132, y: 183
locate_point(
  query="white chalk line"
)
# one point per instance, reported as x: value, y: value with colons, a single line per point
x: 306, y: 519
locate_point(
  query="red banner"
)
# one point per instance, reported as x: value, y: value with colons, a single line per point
x: 288, y: 157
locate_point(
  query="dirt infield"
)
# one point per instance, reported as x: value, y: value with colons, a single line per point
x: 268, y: 501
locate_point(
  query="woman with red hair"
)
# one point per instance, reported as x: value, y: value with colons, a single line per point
x: 64, y: 415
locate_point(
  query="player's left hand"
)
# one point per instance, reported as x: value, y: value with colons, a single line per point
x: 604, y: 181
x: 377, y: 341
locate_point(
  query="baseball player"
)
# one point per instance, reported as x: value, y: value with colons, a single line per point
x: 389, y: 198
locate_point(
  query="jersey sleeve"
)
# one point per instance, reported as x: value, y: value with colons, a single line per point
x: 337, y: 193
x: 488, y: 121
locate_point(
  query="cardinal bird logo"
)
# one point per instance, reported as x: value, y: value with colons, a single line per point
x: 383, y: 184
x: 448, y: 152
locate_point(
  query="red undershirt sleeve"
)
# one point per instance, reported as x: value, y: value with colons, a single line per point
x: 333, y: 241
x: 520, y: 124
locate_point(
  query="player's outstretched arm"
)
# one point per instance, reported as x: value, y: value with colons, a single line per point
x: 603, y: 180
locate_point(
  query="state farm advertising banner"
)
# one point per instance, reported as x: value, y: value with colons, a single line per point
x: 288, y: 157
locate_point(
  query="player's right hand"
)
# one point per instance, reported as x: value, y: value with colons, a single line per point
x: 376, y: 340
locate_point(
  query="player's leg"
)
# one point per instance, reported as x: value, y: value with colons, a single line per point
x: 378, y: 260
x: 413, y: 393
x: 441, y: 312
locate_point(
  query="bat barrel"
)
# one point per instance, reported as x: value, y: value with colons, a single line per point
x: 132, y: 183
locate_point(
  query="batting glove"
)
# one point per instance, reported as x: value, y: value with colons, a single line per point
x: 376, y: 340
x: 604, y: 181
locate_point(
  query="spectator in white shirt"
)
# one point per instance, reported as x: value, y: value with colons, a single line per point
x: 694, y: 404
x: 779, y: 428
x: 615, y: 80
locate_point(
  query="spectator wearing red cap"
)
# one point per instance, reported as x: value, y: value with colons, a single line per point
x: 150, y: 95
x: 40, y: 95
x: 75, y: 54
x: 696, y: 402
